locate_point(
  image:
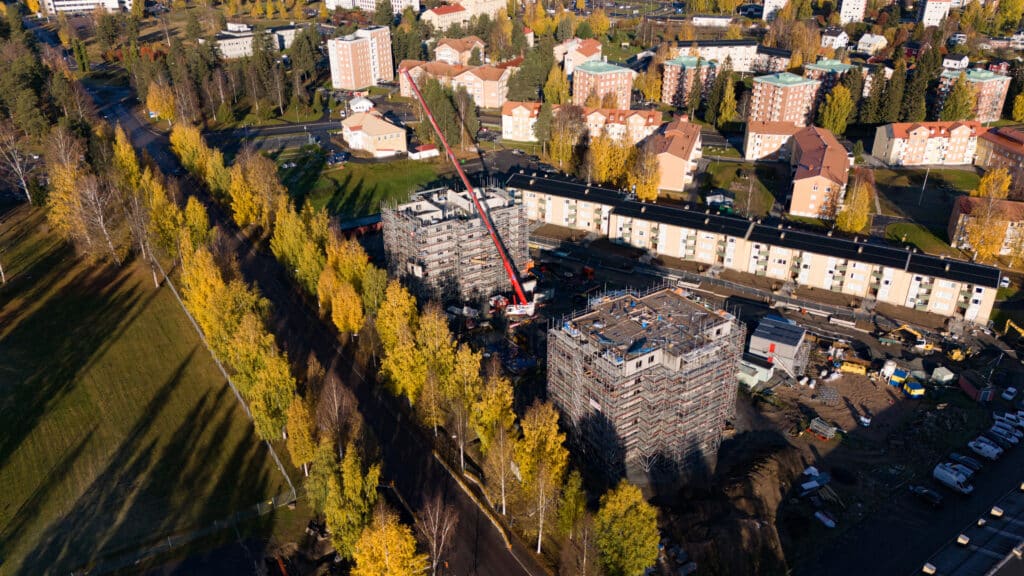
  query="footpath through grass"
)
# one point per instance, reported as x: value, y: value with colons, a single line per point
x: 117, y: 430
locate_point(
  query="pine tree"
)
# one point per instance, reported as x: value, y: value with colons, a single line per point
x: 914, y: 106
x: 893, y: 101
x: 870, y: 112
x: 960, y: 102
x: 696, y: 89
x: 853, y: 81
x: 727, y: 107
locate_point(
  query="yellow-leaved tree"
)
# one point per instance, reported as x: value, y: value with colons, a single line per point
x: 160, y: 100
x: 350, y: 501
x: 397, y: 315
x: 299, y: 242
x: 984, y: 221
x: 627, y: 531
x: 494, y: 423
x: 301, y: 445
x: 542, y: 460
x: 461, y: 394
x: 254, y: 190
x: 644, y: 175
x: 387, y: 548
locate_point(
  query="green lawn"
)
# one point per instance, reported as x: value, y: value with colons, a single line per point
x: 118, y: 430
x: 900, y: 194
x: 358, y: 189
x: 919, y: 236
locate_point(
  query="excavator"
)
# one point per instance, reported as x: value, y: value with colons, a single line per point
x: 957, y: 353
x: 1011, y: 324
x: 919, y: 342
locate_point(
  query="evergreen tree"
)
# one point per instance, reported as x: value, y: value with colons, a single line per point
x: 959, y: 103
x: 870, y: 110
x: 542, y: 127
x: 714, y: 100
x: 914, y: 107
x: 727, y: 106
x: 384, y: 15
x: 693, y: 98
x: 890, y: 111
x: 853, y: 81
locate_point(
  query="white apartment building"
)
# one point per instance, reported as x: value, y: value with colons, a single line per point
x: 235, y: 41
x: 928, y: 143
x: 771, y: 7
x: 852, y: 11
x: 872, y: 43
x: 517, y: 120
x: 370, y: 5
x: 84, y: 6
x: 935, y: 11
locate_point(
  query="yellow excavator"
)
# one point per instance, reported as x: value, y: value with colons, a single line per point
x: 919, y: 342
x: 1011, y: 324
x: 958, y: 354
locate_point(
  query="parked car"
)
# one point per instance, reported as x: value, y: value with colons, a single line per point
x: 1009, y: 394
x: 988, y: 441
x: 1004, y: 442
x: 966, y: 461
x: 985, y: 450
x: 965, y: 470
x: 927, y: 495
x: 952, y: 478
x: 1009, y: 418
x: 1008, y: 430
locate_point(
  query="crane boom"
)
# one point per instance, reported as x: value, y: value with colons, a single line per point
x: 505, y: 260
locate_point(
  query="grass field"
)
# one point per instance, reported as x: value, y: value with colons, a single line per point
x: 358, y: 189
x: 117, y: 429
x: 919, y: 236
x: 899, y: 194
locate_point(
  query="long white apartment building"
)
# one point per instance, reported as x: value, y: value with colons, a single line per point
x: 370, y: 5
x: 84, y: 6
x: 887, y: 274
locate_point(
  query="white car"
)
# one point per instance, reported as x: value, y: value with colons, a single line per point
x: 1010, y: 419
x: 1009, y: 394
x: 1008, y: 430
x: 985, y: 450
x: 996, y: 434
x: 967, y: 472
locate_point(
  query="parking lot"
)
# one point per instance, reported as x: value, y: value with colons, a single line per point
x: 986, y: 545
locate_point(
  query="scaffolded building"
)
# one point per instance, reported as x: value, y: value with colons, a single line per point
x: 646, y: 382
x: 439, y: 247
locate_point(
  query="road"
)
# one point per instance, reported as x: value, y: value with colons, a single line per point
x: 406, y: 453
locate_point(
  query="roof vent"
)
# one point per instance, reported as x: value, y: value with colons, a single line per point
x: 782, y: 236
x: 947, y: 266
x: 686, y: 207
x: 829, y: 233
x: 586, y: 191
x: 707, y: 221
x: 532, y: 181
x: 707, y: 210
x: 780, y: 226
x: 860, y: 249
x: 520, y: 170
x: 643, y: 209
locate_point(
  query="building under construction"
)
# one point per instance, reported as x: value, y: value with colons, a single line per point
x: 646, y: 382
x: 438, y: 245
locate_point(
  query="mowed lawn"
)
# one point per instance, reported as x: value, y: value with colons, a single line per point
x: 359, y: 189
x: 116, y: 429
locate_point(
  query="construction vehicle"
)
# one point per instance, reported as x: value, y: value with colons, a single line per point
x: 854, y: 366
x: 958, y: 353
x: 919, y: 342
x: 1011, y: 324
x: 521, y: 306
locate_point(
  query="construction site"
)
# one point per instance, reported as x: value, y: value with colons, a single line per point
x: 645, y: 381
x: 439, y: 246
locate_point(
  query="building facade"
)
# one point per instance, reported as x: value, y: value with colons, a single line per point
x: 646, y: 381
x: 361, y: 59
x: 771, y: 8
x: 989, y: 91
x: 85, y: 6
x: 575, y: 51
x: 872, y: 44
x: 768, y: 140
x: 783, y: 97
x: 443, y: 72
x: 834, y: 38
x: 891, y: 275
x: 440, y: 248
x: 370, y: 132
x: 1005, y: 216
x: 820, y: 171
x: 488, y: 85
x: 517, y: 121
x: 629, y: 125
x: 458, y: 50
x: 678, y: 76
x: 934, y: 12
x: 678, y: 149
x: 398, y: 6
x: 602, y: 78
x: 1001, y: 148
x: 931, y: 143
x: 852, y: 11
x: 445, y: 16
x: 829, y: 72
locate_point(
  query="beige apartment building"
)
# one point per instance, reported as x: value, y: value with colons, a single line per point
x: 678, y: 76
x: 768, y: 140
x: 891, y: 275
x: 1001, y: 148
x: 927, y: 143
x: 1007, y: 215
x: 820, y: 171
x: 488, y: 85
x: 517, y: 120
x: 445, y: 16
x: 630, y: 125
x: 458, y: 50
x: 602, y: 78
x: 678, y: 150
x: 361, y: 59
x: 989, y: 91
x: 443, y: 72
x: 783, y: 97
x: 370, y: 132
x: 575, y: 51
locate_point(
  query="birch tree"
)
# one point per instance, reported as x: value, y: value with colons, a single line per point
x: 542, y: 460
x: 494, y: 421
x: 437, y: 523
x: 14, y: 158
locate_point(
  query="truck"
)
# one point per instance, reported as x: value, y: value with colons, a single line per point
x: 951, y: 478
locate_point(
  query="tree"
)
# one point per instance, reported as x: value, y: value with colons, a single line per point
x: 126, y: 163
x: 871, y: 109
x: 593, y: 99
x: 836, y: 110
x: 196, y: 222
x: 627, y: 531
x: 254, y: 190
x: 405, y: 366
x: 855, y: 213
x: 542, y: 127
x: 914, y: 105
x: 299, y: 242
x: 1008, y: 15
x: 727, y: 106
x: 573, y: 505
x: 542, y: 460
x: 893, y: 101
x: 14, y: 158
x: 610, y: 101
x: 580, y: 556
x: 959, y: 103
x: 384, y: 15
x: 854, y: 83
x: 494, y: 421
x: 599, y: 22
x: 984, y: 228
x: 460, y: 394
x: 567, y: 128
x: 644, y: 174
x: 994, y: 184
x: 1018, y: 108
x: 696, y: 91
x: 346, y: 308
x: 437, y: 523
x: 301, y: 445
x: 160, y: 101
x: 350, y: 504
x: 386, y: 548
x: 556, y: 89
x: 397, y: 315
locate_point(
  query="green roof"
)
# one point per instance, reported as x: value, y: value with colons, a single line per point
x: 975, y: 75
x: 598, y: 67
x: 785, y: 79
x: 688, y: 62
x: 830, y: 65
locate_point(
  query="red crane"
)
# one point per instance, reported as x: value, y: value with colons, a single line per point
x: 505, y: 260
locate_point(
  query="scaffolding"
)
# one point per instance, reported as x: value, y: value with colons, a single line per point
x: 440, y: 248
x: 643, y: 376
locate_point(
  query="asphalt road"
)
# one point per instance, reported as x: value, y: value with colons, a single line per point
x: 406, y: 453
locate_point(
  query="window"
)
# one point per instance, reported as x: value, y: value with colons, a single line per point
x: 639, y: 363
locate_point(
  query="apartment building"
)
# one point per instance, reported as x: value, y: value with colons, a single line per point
x: 744, y: 55
x: 85, y: 6
x: 891, y: 275
x: 931, y: 143
x: 1001, y: 148
x: 678, y: 149
x: 481, y: 7
x: 771, y: 8
x: 679, y: 74
x: 602, y: 78
x: 458, y: 51
x: 439, y: 247
x: 829, y: 72
x: 488, y: 85
x: 575, y: 51
x: 517, y: 121
x: 783, y: 97
x: 872, y: 44
x: 820, y: 171
x: 630, y: 125
x: 236, y: 40
x: 934, y: 12
x: 645, y: 378
x: 768, y: 140
x: 445, y: 16
x: 834, y: 37
x: 361, y: 59
x: 443, y: 72
x: 1006, y: 215
x: 852, y: 11
x: 398, y: 6
x: 370, y: 132
x: 989, y: 91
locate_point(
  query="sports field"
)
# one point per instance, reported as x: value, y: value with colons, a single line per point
x: 116, y: 429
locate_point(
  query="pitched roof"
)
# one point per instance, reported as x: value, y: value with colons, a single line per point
x: 679, y: 139
x: 461, y: 44
x: 370, y: 122
x: 834, y: 31
x: 508, y: 107
x: 513, y: 63
x: 447, y: 9
x: 617, y: 116
x: 771, y: 127
x: 439, y: 69
x: 589, y: 47
x: 820, y: 154
x: 1010, y: 137
x: 487, y: 73
x: 902, y: 130
x: 1010, y: 210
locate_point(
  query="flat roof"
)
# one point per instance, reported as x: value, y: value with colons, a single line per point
x: 598, y: 67
x: 785, y: 79
x: 779, y: 331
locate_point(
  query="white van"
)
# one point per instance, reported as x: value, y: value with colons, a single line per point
x: 952, y: 478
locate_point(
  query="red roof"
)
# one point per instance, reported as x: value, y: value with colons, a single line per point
x: 508, y: 107
x: 902, y: 130
x: 1009, y: 210
x: 447, y: 9
x: 589, y: 47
